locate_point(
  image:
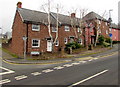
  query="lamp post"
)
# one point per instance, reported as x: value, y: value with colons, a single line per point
x: 24, y: 39
x: 110, y: 20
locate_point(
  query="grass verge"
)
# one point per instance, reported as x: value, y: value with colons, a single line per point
x: 7, y: 51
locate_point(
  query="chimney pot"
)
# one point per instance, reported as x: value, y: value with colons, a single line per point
x: 72, y: 15
x: 19, y: 4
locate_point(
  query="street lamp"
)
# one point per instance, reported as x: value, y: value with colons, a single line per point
x: 24, y: 39
x: 110, y: 20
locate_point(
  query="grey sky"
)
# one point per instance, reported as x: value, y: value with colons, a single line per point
x: 8, y: 8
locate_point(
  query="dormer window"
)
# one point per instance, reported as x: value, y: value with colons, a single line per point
x: 35, y: 27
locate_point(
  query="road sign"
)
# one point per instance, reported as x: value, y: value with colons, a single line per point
x: 110, y: 34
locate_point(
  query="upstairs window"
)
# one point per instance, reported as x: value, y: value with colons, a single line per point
x: 35, y: 27
x: 57, y: 43
x: 79, y: 30
x: 54, y: 29
x: 106, y: 31
x: 67, y: 28
x: 99, y: 22
x: 65, y: 40
x: 35, y: 43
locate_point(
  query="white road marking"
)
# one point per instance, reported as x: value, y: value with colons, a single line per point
x: 58, y: 67
x: 90, y: 60
x: 47, y: 70
x: 36, y: 73
x: 88, y: 78
x: 82, y: 61
x: 20, y: 77
x: 8, y: 71
x: 68, y: 65
x: 95, y: 58
x: 75, y: 63
x: 4, y: 81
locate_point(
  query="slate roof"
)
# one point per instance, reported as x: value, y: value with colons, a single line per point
x: 92, y: 15
x: 41, y: 17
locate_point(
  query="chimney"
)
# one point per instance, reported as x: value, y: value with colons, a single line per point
x: 19, y: 4
x: 72, y: 15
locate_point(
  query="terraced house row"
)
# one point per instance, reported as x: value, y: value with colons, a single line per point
x: 63, y: 29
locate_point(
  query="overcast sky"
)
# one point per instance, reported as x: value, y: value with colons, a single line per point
x: 8, y: 8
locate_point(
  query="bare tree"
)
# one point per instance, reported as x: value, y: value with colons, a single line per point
x: 82, y: 24
x: 98, y: 27
x: 73, y: 20
x: 48, y: 11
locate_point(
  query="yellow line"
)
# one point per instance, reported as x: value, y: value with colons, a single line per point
x: 34, y: 63
x: 77, y: 59
x: 111, y: 54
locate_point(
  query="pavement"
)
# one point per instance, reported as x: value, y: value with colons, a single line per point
x: 9, y: 59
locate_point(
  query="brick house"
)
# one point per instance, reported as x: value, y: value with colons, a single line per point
x: 34, y: 25
x: 115, y: 30
x: 97, y: 25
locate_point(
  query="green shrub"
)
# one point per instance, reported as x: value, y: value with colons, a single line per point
x: 105, y: 44
x: 108, y: 40
x: 101, y: 39
x: 73, y: 45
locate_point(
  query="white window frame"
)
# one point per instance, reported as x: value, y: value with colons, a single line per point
x: 78, y: 29
x: 57, y: 43
x: 65, y: 40
x: 99, y: 22
x: 38, y: 43
x: 67, y: 28
x: 106, y: 31
x: 33, y: 29
x: 80, y: 41
x: 54, y: 29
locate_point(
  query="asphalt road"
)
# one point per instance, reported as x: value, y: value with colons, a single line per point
x: 103, y: 71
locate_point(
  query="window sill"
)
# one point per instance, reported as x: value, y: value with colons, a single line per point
x: 35, y: 47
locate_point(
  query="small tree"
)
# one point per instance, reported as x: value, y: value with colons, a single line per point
x: 101, y: 39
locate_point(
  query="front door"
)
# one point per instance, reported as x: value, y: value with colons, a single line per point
x: 49, y: 45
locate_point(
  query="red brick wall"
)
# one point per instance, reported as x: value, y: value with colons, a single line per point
x: 43, y: 34
x: 115, y: 34
x: 18, y: 30
x: 104, y: 27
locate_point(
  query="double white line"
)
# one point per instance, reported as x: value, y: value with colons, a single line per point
x: 4, y: 81
x: 20, y: 77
